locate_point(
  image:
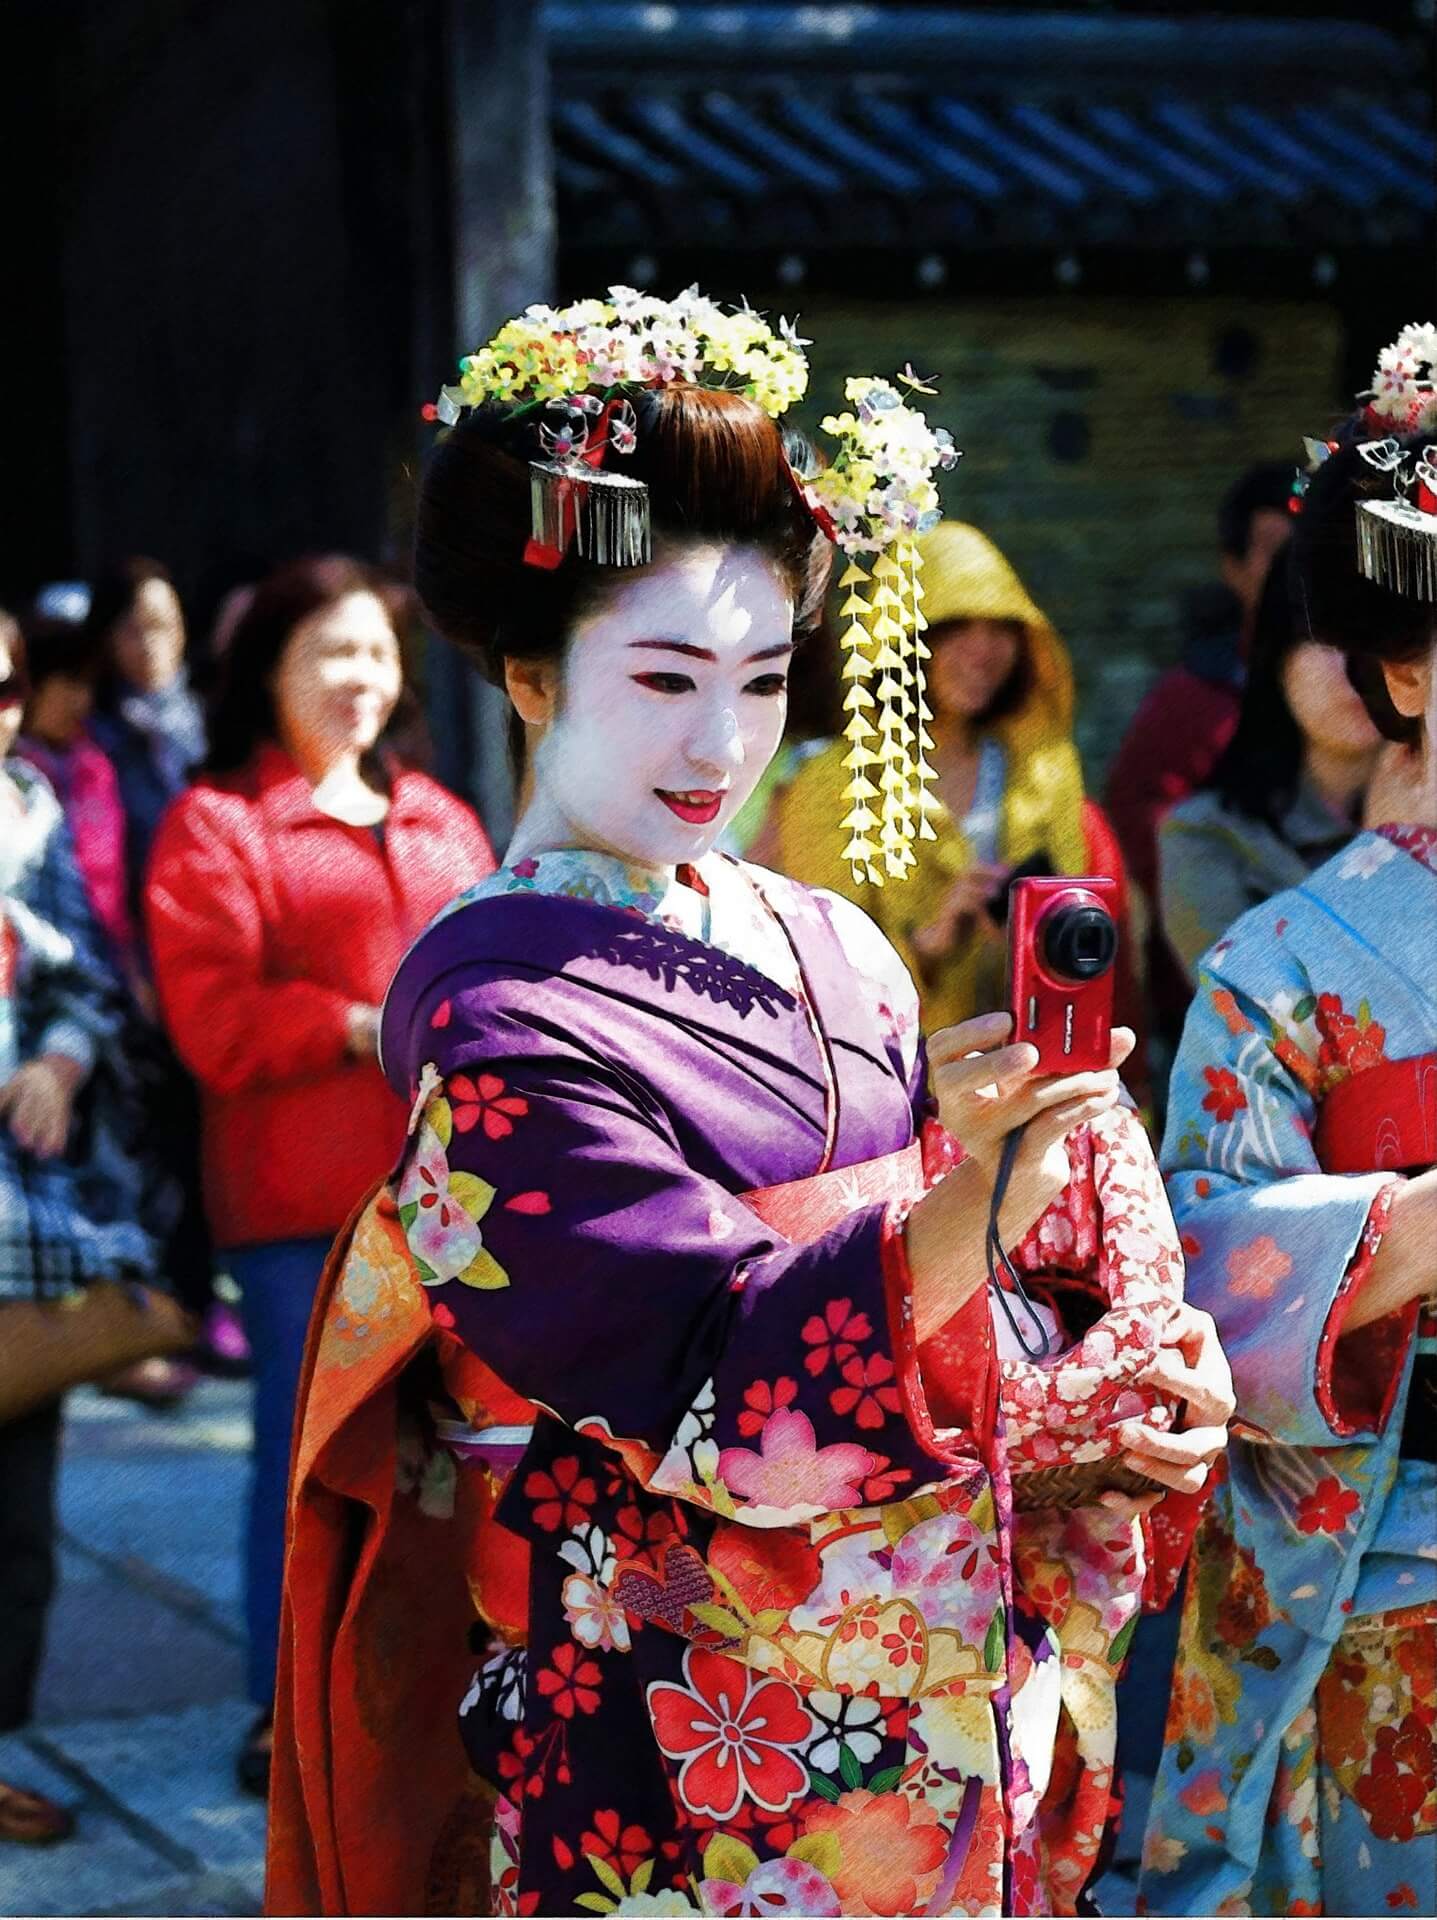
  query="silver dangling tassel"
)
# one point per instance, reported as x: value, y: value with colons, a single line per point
x: 614, y: 526
x: 1397, y: 548
x: 606, y: 514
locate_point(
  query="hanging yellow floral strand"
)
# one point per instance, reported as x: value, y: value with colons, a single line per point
x: 858, y: 823
x: 878, y: 488
x: 926, y: 801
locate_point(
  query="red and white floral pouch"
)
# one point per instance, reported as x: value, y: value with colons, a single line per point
x: 1106, y: 1259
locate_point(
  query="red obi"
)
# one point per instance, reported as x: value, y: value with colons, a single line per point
x: 1384, y: 1118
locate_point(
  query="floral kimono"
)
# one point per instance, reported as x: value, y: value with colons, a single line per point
x: 755, y: 1638
x: 1298, y: 1775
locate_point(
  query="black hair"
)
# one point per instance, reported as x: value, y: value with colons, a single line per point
x: 1265, y: 488
x: 60, y: 648
x: 113, y: 596
x: 716, y: 467
x: 1335, y: 601
x: 1260, y: 769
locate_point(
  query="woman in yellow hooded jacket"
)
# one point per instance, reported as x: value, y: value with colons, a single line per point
x: 1001, y: 688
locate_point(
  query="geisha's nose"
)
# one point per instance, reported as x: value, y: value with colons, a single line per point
x: 717, y: 741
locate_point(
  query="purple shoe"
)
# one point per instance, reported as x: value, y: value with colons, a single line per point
x: 223, y: 1349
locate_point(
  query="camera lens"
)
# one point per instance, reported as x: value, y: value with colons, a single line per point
x: 1078, y: 943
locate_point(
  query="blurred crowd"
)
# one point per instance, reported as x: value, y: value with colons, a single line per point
x: 209, y: 873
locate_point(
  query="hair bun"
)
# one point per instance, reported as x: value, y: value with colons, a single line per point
x: 716, y: 467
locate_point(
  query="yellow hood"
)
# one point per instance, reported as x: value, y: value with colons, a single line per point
x: 966, y: 578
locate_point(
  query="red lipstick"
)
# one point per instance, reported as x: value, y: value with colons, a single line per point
x: 697, y: 806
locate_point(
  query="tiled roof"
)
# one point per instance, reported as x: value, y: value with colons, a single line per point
x: 742, y: 127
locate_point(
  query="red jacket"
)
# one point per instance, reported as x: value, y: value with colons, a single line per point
x: 267, y: 921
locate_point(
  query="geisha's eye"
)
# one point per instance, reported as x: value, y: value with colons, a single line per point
x: 768, y: 685
x: 665, y: 682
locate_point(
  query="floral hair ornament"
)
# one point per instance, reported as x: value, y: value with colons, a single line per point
x: 572, y: 368
x: 1397, y: 534
x: 874, y: 497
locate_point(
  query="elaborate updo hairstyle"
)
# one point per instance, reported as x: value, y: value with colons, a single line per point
x: 715, y: 467
x: 1334, y: 599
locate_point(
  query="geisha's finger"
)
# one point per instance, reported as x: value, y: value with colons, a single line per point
x: 1206, y: 1405
x: 1195, y: 1332
x: 1182, y: 1449
x: 1058, y: 1122
x: 1177, y: 1479
x: 1128, y: 1506
x: 1121, y: 1044
x: 978, y: 1035
x: 977, y: 1075
x: 1074, y: 1086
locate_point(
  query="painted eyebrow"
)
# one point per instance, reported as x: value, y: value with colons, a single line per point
x: 703, y: 653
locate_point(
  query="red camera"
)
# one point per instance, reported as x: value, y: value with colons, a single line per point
x: 1062, y: 942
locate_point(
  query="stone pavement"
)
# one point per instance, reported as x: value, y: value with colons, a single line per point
x: 141, y: 1703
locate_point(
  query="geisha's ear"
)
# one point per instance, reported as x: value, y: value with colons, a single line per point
x: 1409, y: 684
x: 532, y: 685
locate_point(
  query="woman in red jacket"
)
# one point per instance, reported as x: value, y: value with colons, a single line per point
x: 282, y: 892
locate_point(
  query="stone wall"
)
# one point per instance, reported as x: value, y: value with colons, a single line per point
x: 1098, y: 438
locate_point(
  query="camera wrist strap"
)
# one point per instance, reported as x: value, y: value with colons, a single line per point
x: 997, y: 1257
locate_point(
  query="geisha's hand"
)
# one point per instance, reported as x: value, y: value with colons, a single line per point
x: 1192, y: 1367
x: 984, y: 1091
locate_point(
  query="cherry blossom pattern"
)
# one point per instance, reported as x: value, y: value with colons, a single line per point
x: 1224, y: 1099
x: 834, y: 1335
x: 570, y: 1683
x: 892, y: 1849
x: 595, y: 1618
x: 738, y: 1735
x: 1328, y: 1508
x: 1110, y: 1231
x: 1257, y: 1268
x: 869, y: 1391
x: 484, y: 1101
x: 562, y: 1495
x: 791, y: 1473
x: 762, y: 1399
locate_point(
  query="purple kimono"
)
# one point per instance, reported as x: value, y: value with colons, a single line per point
x: 770, y: 1652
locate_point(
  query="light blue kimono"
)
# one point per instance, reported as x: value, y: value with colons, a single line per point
x: 1297, y: 1775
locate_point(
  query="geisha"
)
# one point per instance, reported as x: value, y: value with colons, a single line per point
x: 648, y: 1299
x: 1298, y: 1775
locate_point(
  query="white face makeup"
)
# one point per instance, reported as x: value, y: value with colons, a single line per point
x: 672, y: 702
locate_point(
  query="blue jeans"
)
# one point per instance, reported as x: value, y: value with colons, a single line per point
x: 277, y: 1282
